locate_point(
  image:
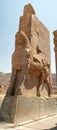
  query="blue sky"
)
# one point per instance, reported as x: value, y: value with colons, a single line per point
x: 10, y: 12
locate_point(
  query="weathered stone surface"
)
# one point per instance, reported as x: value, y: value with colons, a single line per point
x: 21, y: 109
x: 31, y: 58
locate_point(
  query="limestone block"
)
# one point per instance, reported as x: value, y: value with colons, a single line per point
x: 21, y: 109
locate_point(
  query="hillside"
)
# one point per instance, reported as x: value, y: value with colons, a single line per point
x: 5, y: 79
x: 4, y: 82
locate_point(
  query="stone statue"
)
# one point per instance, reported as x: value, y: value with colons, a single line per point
x: 44, y: 78
x: 31, y: 58
x: 41, y: 68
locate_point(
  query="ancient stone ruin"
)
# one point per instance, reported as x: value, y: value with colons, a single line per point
x: 31, y: 73
x: 31, y: 58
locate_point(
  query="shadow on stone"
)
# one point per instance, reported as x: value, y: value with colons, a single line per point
x: 7, y: 110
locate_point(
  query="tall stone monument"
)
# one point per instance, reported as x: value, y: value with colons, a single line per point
x: 30, y: 73
x: 55, y: 49
x: 31, y: 58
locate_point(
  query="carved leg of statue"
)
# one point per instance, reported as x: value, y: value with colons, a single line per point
x: 41, y: 83
x: 38, y: 92
x: 9, y: 91
x: 15, y: 84
x: 18, y: 89
x: 38, y: 89
x: 48, y: 87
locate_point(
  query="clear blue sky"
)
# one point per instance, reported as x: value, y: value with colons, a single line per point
x: 10, y: 12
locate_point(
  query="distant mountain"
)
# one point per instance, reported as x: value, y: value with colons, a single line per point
x: 4, y: 82
x: 5, y: 79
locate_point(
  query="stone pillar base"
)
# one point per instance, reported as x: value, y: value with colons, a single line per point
x: 20, y: 110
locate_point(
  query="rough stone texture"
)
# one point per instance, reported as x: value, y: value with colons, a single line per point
x: 20, y: 109
x: 31, y: 58
x: 55, y: 49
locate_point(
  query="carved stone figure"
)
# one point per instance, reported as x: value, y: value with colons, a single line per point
x: 44, y: 78
x: 31, y: 58
x: 40, y: 67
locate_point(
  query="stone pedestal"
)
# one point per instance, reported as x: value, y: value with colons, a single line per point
x: 20, y: 109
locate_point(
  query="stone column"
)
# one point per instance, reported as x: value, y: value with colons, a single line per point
x: 55, y: 49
